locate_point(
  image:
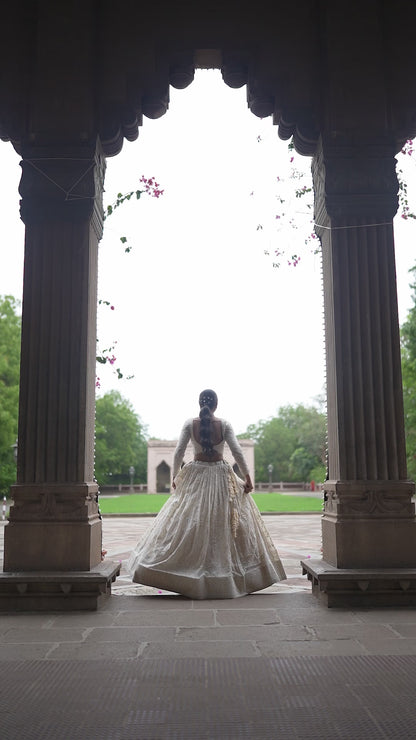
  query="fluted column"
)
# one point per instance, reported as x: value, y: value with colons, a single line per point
x: 54, y: 521
x: 369, y: 518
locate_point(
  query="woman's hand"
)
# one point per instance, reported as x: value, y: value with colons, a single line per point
x: 248, y: 486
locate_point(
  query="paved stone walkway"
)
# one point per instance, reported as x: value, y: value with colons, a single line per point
x: 296, y: 537
x: 154, y: 666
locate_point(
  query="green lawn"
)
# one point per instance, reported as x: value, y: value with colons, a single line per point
x: 142, y: 503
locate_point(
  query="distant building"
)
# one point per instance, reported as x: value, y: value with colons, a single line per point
x: 160, y: 462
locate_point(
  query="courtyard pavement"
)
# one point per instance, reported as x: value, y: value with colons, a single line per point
x: 296, y: 537
x: 149, y: 665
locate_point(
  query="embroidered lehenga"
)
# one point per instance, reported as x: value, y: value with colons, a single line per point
x: 209, y: 540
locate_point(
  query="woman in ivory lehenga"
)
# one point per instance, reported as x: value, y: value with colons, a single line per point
x: 209, y: 540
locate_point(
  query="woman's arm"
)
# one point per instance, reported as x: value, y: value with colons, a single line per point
x: 238, y: 456
x: 183, y: 440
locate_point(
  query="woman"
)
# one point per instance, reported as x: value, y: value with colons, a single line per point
x: 208, y: 541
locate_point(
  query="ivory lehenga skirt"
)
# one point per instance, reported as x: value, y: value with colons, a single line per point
x: 209, y: 540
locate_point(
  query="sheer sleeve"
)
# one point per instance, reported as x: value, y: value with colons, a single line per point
x: 235, y: 448
x: 183, y: 440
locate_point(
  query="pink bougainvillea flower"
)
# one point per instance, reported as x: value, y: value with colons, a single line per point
x: 151, y: 187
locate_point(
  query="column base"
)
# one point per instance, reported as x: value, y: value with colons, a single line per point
x: 57, y: 591
x: 367, y: 543
x: 361, y: 587
x: 48, y: 546
x: 53, y: 526
x: 369, y: 524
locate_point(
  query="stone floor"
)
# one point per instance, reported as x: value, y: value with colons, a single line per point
x: 154, y: 666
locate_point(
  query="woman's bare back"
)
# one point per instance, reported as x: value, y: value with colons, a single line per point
x: 216, y: 431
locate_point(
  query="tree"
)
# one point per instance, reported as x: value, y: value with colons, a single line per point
x: 310, y: 426
x: 10, y: 331
x: 301, y: 463
x: 408, y: 341
x: 120, y: 440
x: 294, y: 442
x: 274, y: 446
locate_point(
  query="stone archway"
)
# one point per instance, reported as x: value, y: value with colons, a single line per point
x: 163, y: 476
x: 77, y: 80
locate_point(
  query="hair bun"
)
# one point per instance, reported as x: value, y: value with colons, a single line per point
x: 208, y: 398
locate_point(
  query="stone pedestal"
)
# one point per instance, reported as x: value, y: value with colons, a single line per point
x: 56, y: 590
x: 369, y: 524
x: 361, y: 587
x: 53, y: 527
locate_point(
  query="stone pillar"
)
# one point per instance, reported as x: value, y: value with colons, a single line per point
x: 54, y: 522
x: 369, y: 519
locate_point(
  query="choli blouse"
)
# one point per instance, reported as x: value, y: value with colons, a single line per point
x: 228, y: 437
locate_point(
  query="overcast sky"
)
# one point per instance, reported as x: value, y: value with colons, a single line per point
x: 198, y: 302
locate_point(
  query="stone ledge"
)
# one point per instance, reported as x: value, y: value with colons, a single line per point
x: 361, y: 587
x: 57, y: 590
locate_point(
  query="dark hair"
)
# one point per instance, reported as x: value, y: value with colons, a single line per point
x: 207, y: 402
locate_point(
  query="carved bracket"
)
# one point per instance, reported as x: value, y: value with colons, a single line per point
x: 59, y: 503
x: 355, y: 179
x: 369, y: 500
x: 62, y: 184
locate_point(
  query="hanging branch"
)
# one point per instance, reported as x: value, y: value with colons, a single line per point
x: 305, y: 192
x: 149, y: 187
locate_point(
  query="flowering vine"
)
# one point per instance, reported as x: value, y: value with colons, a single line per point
x: 406, y: 213
x: 150, y: 187
x: 286, y: 217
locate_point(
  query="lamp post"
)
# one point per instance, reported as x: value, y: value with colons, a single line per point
x: 131, y: 473
x: 270, y: 469
x: 4, y: 505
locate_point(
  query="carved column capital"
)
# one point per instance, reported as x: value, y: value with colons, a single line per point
x: 62, y: 185
x: 354, y: 180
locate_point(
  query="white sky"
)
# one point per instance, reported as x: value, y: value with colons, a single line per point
x: 197, y: 302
